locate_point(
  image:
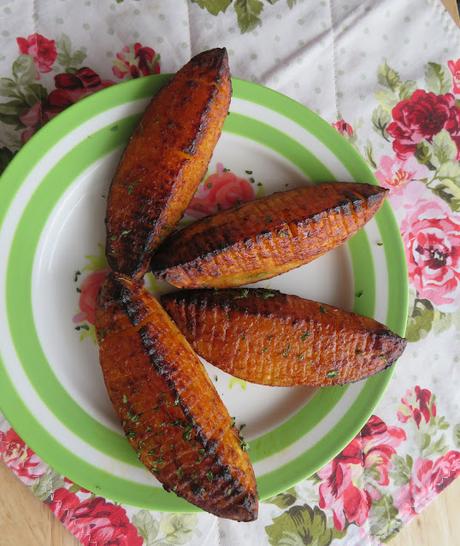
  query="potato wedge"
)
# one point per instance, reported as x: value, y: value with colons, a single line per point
x: 271, y: 338
x: 169, y: 408
x: 165, y: 161
x: 264, y: 238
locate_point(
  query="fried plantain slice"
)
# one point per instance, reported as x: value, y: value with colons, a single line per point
x: 165, y: 160
x: 169, y: 408
x: 270, y: 338
x: 266, y: 237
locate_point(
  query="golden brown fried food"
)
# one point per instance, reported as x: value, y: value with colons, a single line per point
x: 169, y: 408
x: 165, y: 160
x: 271, y: 338
x: 264, y: 238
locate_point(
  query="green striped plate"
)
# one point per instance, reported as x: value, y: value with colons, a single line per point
x: 51, y: 219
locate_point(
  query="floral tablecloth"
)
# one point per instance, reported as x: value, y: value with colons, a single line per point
x: 387, y: 76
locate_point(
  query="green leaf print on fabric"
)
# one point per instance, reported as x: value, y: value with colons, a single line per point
x: 147, y: 526
x: 437, y: 78
x: 47, y: 484
x: 213, y: 6
x: 177, y: 529
x: 388, y: 77
x: 284, y: 500
x: 248, y: 12
x: 68, y: 60
x: 402, y: 469
x: 384, y: 521
x: 301, y: 525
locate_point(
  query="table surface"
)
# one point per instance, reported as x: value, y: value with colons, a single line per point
x: 436, y: 525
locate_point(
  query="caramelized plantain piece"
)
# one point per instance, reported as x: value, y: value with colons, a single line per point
x: 271, y: 338
x: 165, y: 160
x: 264, y: 238
x: 170, y: 410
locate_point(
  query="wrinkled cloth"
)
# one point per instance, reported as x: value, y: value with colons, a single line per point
x: 387, y: 76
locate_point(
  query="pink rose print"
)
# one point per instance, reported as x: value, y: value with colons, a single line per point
x: 394, y: 173
x: 94, y: 521
x: 372, y: 450
x: 220, y: 191
x: 89, y: 291
x: 136, y: 60
x: 19, y: 458
x: 42, y: 51
x: 431, y: 235
x: 428, y: 479
x: 343, y: 128
x: 420, y: 117
x: 454, y: 67
x: 417, y: 404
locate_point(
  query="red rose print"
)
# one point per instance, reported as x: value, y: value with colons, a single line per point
x: 454, y: 67
x: 428, y: 479
x: 417, y: 404
x: 89, y: 291
x: 19, y: 458
x: 135, y: 61
x: 69, y: 89
x: 420, y: 117
x: 42, y: 51
x: 94, y: 522
x: 431, y: 235
x: 372, y: 450
x: 221, y: 190
x: 343, y: 128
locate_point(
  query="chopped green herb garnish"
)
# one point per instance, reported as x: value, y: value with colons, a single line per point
x: 113, y: 238
x: 244, y: 445
x: 304, y: 335
x: 180, y: 473
x: 148, y: 429
x: 264, y: 349
x: 210, y: 475
x: 228, y: 491
x: 202, y: 451
x: 266, y: 294
x: 77, y: 274
x: 322, y: 309
x: 177, y: 401
x: 252, y: 180
x: 187, y: 435
x: 216, y: 378
x: 133, y: 417
x: 243, y: 293
x: 209, y: 185
x: 125, y: 399
x: 78, y: 290
x: 300, y: 356
x: 82, y: 327
x: 359, y: 293
x: 243, y: 337
x: 241, y: 427
x: 233, y: 421
x: 259, y: 184
x: 125, y: 232
x: 248, y: 172
x: 283, y: 233
x: 226, y: 170
x: 379, y: 243
x: 287, y: 350
x: 131, y: 434
x: 331, y: 373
